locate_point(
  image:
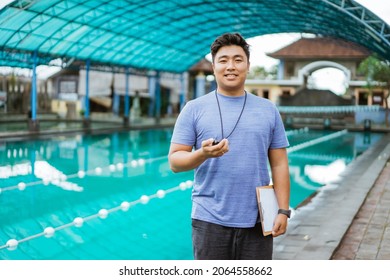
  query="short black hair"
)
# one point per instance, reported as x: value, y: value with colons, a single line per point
x: 229, y: 39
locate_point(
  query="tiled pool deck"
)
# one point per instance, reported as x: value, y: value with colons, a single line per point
x: 349, y: 219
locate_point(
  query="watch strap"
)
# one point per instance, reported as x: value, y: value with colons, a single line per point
x: 285, y: 212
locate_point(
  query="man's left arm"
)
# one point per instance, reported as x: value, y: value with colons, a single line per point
x: 281, y: 181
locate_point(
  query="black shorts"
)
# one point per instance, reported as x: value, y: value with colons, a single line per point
x: 216, y: 242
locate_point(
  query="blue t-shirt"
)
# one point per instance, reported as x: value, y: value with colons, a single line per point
x: 224, y: 190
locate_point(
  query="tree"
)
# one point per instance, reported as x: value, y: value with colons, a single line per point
x: 377, y: 73
x: 259, y: 72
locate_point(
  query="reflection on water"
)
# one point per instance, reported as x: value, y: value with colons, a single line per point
x: 325, y: 174
x: 321, y: 164
x: 41, y: 170
x: 49, y: 183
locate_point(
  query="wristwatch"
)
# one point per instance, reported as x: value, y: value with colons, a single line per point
x: 285, y: 212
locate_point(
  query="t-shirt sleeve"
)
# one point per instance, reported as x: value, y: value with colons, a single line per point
x: 279, y: 139
x: 184, y: 131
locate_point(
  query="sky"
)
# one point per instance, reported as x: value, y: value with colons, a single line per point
x: 269, y: 43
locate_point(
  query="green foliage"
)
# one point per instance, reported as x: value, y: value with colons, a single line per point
x: 376, y: 71
x: 259, y: 72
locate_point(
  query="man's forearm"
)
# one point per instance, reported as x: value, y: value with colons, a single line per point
x: 183, y: 160
x: 281, y: 182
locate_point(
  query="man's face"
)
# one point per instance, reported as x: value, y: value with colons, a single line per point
x: 230, y: 69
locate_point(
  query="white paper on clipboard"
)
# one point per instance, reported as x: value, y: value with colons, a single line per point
x: 268, y: 207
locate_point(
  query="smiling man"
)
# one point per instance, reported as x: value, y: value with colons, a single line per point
x: 229, y: 136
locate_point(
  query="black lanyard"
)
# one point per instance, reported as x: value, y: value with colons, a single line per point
x: 220, y: 117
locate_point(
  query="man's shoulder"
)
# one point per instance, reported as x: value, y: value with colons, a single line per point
x: 201, y: 99
x: 260, y: 100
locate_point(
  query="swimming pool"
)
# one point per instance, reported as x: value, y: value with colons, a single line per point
x: 113, y: 196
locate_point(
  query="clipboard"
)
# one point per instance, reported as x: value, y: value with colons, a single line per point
x: 268, y: 207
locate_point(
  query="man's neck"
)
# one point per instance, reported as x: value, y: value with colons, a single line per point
x: 230, y: 92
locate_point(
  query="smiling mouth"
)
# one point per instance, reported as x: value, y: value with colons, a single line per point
x: 230, y: 75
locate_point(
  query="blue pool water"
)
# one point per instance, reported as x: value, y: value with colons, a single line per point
x: 113, y: 196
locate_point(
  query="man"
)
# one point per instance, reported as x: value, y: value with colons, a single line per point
x: 229, y: 136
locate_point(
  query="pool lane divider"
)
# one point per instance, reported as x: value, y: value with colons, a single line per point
x: 317, y: 141
x: 12, y: 244
x: 60, y: 178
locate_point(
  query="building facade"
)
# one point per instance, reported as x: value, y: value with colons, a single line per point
x: 299, y: 60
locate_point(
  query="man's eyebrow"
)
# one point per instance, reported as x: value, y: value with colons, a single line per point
x: 227, y: 56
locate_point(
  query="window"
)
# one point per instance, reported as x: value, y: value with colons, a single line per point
x: 377, y: 98
x: 68, y: 87
x: 266, y: 93
x: 362, y: 99
x: 289, y: 69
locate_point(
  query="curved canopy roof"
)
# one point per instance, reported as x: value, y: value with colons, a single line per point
x: 169, y: 35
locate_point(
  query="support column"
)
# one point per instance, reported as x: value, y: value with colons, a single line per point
x: 86, y: 121
x: 200, y: 85
x: 158, y: 98
x: 4, y: 89
x: 281, y: 70
x: 182, y: 97
x: 127, y: 100
x: 152, y: 92
x: 115, y: 97
x: 33, y: 124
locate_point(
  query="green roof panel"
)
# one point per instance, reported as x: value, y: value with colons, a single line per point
x: 171, y: 35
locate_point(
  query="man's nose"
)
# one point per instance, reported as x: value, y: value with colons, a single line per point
x: 230, y: 64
